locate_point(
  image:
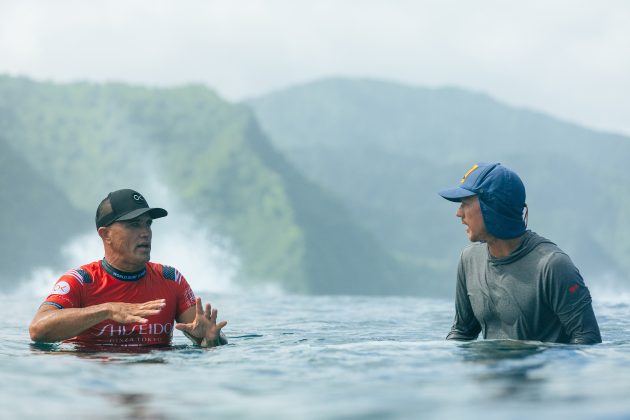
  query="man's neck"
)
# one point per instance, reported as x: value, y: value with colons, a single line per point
x: 122, y: 265
x: 501, y: 248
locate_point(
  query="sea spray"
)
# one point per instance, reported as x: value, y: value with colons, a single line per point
x: 178, y: 241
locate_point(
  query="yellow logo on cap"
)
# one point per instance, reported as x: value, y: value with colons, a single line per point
x: 468, y: 173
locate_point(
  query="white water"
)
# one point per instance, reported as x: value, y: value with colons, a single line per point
x: 178, y: 240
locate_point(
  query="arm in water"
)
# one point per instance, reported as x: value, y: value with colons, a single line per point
x: 201, y: 326
x: 465, y: 325
x: 570, y: 299
x: 51, y: 324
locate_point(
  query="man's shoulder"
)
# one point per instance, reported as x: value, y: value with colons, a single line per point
x: 85, y: 274
x: 551, y: 259
x: 556, y: 260
x: 540, y: 243
x: 547, y: 251
x: 165, y: 272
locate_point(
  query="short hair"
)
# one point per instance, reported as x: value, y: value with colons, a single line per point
x: 104, y: 208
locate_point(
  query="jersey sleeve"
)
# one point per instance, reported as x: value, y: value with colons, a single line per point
x: 567, y: 294
x: 184, y: 294
x: 465, y: 326
x: 66, y: 292
x: 186, y: 297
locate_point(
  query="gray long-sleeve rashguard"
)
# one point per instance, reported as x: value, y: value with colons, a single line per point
x: 536, y: 293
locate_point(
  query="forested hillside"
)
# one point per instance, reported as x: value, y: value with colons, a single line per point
x: 84, y: 140
x: 385, y: 150
x: 35, y: 217
x: 366, y: 218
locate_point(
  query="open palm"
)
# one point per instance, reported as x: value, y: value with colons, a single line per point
x: 204, y: 327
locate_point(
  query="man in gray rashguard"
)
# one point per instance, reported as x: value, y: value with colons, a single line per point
x: 511, y: 282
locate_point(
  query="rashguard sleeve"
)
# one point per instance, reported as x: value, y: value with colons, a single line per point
x: 66, y: 292
x: 185, y: 297
x: 571, y: 300
x: 465, y: 326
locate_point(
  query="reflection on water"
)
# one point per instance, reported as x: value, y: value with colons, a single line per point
x: 507, y: 367
x: 496, y: 350
x: 134, y: 406
x: 125, y: 354
x: 109, y: 354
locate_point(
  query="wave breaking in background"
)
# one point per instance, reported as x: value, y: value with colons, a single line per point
x: 178, y: 241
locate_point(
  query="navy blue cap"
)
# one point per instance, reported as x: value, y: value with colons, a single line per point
x: 501, y: 198
x: 472, y: 183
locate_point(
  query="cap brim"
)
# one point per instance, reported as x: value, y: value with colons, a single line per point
x: 456, y: 194
x: 154, y: 212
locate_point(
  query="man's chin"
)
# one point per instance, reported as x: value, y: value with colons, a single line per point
x: 473, y: 238
x: 144, y: 257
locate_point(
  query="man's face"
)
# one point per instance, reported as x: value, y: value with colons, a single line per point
x: 470, y: 213
x: 131, y: 242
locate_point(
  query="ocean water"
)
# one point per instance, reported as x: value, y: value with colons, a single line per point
x: 300, y: 357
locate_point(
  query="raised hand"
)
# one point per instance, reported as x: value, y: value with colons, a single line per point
x: 204, y: 328
x: 126, y: 313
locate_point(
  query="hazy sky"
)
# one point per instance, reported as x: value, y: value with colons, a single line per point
x: 569, y: 58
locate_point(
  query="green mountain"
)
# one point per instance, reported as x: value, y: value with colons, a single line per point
x: 31, y: 204
x: 84, y: 140
x: 385, y: 149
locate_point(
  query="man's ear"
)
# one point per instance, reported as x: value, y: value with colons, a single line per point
x: 103, y: 232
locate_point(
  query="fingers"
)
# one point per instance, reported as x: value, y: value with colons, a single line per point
x: 146, y: 309
x: 184, y: 327
x: 135, y: 312
x: 152, y: 302
x: 198, y: 307
x: 204, y: 325
x: 147, y: 312
x: 130, y: 318
x: 154, y: 305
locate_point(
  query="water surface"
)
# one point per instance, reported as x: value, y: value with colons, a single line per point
x: 321, y: 358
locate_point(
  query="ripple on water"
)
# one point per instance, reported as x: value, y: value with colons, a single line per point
x: 323, y: 357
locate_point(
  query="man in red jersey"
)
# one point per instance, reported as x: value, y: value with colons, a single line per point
x: 124, y: 299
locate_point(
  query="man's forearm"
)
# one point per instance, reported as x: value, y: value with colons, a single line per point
x: 61, y: 324
x: 203, y: 342
x: 196, y: 341
x: 219, y: 341
x: 587, y: 329
x: 460, y: 336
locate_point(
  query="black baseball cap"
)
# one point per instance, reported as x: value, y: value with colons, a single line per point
x: 126, y: 205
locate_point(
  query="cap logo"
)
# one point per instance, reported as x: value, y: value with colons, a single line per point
x: 138, y: 197
x: 471, y: 170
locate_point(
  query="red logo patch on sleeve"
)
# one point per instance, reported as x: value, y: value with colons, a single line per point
x: 574, y: 288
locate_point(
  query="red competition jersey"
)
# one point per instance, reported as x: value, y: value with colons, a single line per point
x: 99, y: 282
